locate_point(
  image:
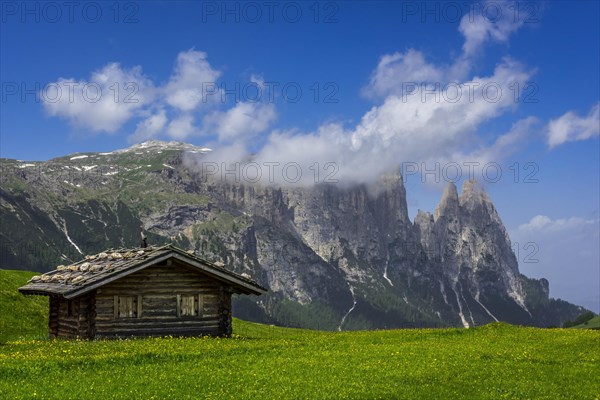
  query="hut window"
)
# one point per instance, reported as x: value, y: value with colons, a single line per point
x: 128, y: 306
x: 189, y: 305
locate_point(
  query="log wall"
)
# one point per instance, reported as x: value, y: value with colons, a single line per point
x: 53, y: 317
x: 72, y: 318
x: 149, y: 303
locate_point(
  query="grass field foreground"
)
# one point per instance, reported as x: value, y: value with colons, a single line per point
x: 494, y: 361
x: 490, y: 362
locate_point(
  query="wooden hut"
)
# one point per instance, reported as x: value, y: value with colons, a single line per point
x: 153, y: 291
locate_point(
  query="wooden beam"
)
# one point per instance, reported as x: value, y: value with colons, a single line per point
x: 116, y: 307
x: 139, y: 306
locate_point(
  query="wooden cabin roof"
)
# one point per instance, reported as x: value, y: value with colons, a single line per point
x: 97, y: 270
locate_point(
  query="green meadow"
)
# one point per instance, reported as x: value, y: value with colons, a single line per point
x: 593, y: 323
x: 496, y: 361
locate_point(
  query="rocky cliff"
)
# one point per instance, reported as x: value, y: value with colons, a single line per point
x: 332, y: 257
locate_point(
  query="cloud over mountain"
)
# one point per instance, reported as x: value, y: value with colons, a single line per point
x: 422, y: 110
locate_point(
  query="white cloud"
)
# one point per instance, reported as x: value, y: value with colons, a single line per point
x: 182, y: 127
x: 546, y: 224
x: 223, y: 158
x: 490, y: 20
x: 435, y: 118
x: 194, y: 82
x: 504, y: 146
x: 103, y: 103
x: 428, y: 123
x: 258, y: 80
x: 570, y: 127
x: 150, y: 127
x: 241, y: 122
x: 395, y: 71
x: 536, y: 223
x: 125, y: 94
x: 429, y: 112
x: 408, y: 129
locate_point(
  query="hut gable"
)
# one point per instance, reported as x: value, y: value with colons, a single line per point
x: 153, y: 291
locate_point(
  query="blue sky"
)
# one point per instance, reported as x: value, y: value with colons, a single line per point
x: 354, y: 63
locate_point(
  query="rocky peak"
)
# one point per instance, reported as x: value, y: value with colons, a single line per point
x: 424, y: 224
x: 393, y: 198
x: 449, y: 202
x: 477, y: 207
x: 423, y: 218
x: 392, y: 181
x: 473, y: 194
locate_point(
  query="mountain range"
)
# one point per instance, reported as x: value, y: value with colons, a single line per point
x: 333, y: 257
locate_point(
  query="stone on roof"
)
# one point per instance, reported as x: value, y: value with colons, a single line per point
x: 95, y: 270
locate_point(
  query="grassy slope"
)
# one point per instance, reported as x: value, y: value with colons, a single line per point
x: 494, y: 361
x: 25, y: 316
x: 593, y: 323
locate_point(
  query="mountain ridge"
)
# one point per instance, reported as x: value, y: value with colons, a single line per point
x: 333, y: 257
